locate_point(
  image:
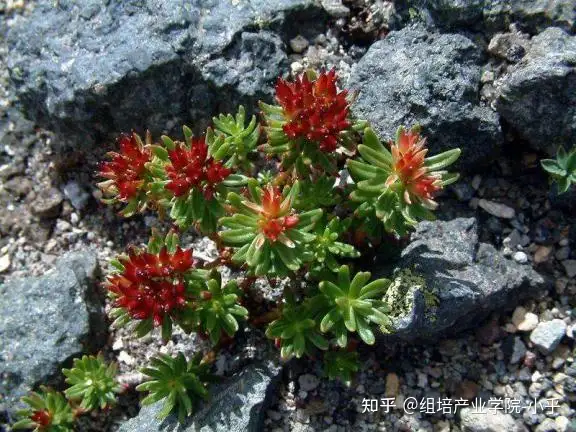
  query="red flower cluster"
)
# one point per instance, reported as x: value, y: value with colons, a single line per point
x: 151, y: 285
x: 274, y: 219
x: 193, y: 169
x: 42, y: 418
x: 314, y: 110
x: 408, y: 156
x: 125, y: 172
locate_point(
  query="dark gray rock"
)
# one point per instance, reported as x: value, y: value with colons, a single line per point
x: 496, y: 15
x: 86, y: 68
x: 237, y: 405
x: 537, y: 97
x: 432, y: 79
x: 46, y: 321
x: 464, y: 281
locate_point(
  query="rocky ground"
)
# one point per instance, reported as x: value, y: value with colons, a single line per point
x: 523, y: 352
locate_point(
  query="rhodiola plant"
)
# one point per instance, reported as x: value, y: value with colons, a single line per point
x: 296, y: 196
x: 562, y: 170
x: 92, y: 385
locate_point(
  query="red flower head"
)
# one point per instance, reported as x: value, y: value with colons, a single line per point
x: 191, y: 168
x: 151, y: 285
x: 42, y: 418
x: 275, y: 217
x: 314, y: 110
x: 125, y: 172
x: 408, y: 167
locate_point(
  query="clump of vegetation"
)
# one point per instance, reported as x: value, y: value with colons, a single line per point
x: 562, y: 170
x: 93, y: 386
x: 335, y: 190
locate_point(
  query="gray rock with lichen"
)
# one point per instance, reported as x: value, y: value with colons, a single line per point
x: 237, y: 405
x: 431, y: 79
x: 45, y: 321
x: 464, y: 281
x: 495, y: 15
x: 87, y: 68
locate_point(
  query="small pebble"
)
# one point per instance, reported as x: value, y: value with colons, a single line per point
x: 499, y: 210
x: 308, y: 382
x: 520, y: 257
x: 299, y: 44
x: 4, y: 263
x: 524, y: 320
x: 392, y: 385
x: 570, y: 268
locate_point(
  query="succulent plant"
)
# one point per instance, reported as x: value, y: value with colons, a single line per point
x: 216, y: 308
x: 294, y: 196
x: 48, y: 412
x: 178, y: 382
x: 92, y: 382
x: 354, y: 305
x: 296, y: 331
x: 267, y: 231
x: 326, y: 247
x: 341, y: 365
x: 399, y: 185
x: 150, y: 287
x: 562, y: 169
x: 127, y: 175
x: 315, y: 194
x: 305, y: 128
x: 194, y: 178
x: 233, y: 140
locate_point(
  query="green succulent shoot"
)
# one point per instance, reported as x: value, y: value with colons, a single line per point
x: 398, y: 185
x: 354, y: 305
x: 233, y: 140
x: 48, y: 411
x: 296, y: 331
x: 92, y: 382
x: 176, y: 381
x: 216, y: 309
x: 326, y: 247
x: 341, y: 365
x: 268, y: 233
x: 315, y: 194
x: 562, y: 169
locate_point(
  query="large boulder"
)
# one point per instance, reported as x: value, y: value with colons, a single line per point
x: 431, y: 79
x: 454, y: 281
x: 537, y: 97
x: 46, y: 321
x: 87, y: 68
x: 236, y: 405
x: 495, y: 15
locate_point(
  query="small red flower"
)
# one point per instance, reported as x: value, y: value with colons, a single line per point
x: 42, y: 418
x: 126, y: 171
x: 274, y: 216
x: 191, y: 168
x: 151, y: 285
x: 314, y: 110
x: 408, y: 167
